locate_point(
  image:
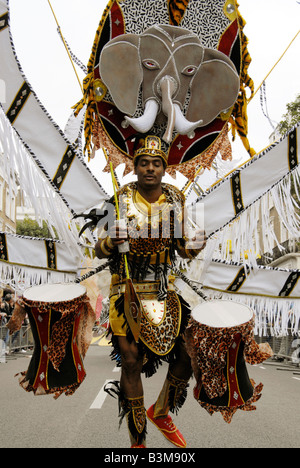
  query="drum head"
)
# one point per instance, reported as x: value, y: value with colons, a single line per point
x: 222, y: 314
x: 59, y: 292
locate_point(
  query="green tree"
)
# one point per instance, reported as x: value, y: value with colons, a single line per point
x: 292, y: 116
x: 30, y: 227
x: 290, y: 119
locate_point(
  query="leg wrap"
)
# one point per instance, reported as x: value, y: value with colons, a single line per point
x: 134, y: 411
x: 171, y: 397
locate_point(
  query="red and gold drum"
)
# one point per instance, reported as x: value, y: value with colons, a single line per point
x: 60, y: 316
x: 220, y: 340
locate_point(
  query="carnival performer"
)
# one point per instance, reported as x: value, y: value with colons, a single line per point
x: 154, y: 213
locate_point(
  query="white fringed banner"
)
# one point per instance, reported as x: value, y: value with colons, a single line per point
x: 271, y: 171
x: 278, y: 317
x: 38, y: 193
x: 20, y: 278
x: 26, y: 261
x: 44, y: 140
x: 272, y: 293
x: 262, y: 281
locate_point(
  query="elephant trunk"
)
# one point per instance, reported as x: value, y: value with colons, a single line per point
x: 168, y: 86
x: 176, y: 119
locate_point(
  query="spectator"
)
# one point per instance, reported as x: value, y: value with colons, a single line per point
x: 4, y: 317
x: 9, y: 299
x: 4, y: 311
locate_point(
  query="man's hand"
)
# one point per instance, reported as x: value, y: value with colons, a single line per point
x: 118, y: 233
x: 198, y: 241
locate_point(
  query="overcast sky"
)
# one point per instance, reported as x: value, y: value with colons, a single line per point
x: 271, y: 25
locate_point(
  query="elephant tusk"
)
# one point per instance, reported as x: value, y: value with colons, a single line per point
x: 146, y: 121
x: 182, y: 125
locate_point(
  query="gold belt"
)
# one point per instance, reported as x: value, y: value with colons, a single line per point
x: 139, y: 288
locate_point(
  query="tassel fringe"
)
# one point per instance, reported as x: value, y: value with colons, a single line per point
x: 240, y: 240
x: 133, y: 410
x: 25, y: 277
x: 275, y: 317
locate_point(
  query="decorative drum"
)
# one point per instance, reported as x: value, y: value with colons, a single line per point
x: 61, y: 320
x: 220, y: 340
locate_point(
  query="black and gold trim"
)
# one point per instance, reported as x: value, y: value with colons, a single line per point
x: 172, y: 396
x: 290, y: 284
x: 293, y: 150
x: 137, y: 424
x: 133, y: 409
x: 18, y: 103
x: 236, y: 190
x: 64, y: 167
x: 238, y: 281
x: 51, y: 254
x: 107, y: 247
x: 3, y: 21
x: 3, y: 248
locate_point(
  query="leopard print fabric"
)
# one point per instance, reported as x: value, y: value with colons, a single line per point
x: 177, y: 9
x: 152, y: 239
x: 146, y: 242
x: 208, y: 347
x: 68, y: 390
x: 60, y: 334
x: 229, y: 412
x: 62, y: 328
x: 161, y: 338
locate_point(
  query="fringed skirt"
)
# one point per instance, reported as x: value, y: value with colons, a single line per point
x: 162, y: 326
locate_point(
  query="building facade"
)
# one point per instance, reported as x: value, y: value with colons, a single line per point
x: 8, y: 209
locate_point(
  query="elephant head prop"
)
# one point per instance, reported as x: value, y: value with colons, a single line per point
x: 184, y: 84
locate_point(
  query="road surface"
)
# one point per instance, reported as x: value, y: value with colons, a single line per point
x: 89, y: 418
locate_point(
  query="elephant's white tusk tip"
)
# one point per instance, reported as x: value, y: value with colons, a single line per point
x: 166, y: 139
x: 184, y: 126
x: 146, y: 121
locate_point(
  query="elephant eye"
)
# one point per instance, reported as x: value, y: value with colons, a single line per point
x: 151, y: 64
x: 189, y: 70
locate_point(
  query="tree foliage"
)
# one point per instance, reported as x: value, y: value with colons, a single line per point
x: 292, y: 116
x: 30, y: 227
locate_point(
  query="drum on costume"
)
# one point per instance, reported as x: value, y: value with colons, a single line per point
x: 58, y: 315
x: 220, y: 340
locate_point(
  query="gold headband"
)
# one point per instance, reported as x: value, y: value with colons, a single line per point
x: 152, y: 147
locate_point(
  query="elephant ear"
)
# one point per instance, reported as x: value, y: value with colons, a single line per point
x: 214, y: 88
x: 121, y: 71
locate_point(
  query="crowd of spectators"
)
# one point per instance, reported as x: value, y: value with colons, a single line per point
x: 7, y: 305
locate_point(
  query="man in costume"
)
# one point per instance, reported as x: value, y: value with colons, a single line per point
x: 154, y: 214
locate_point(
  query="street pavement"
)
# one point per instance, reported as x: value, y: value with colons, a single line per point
x: 89, y: 418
